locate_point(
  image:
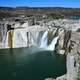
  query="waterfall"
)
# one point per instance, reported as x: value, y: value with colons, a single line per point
x: 25, y: 38
x: 20, y: 39
x: 44, y: 40
x: 53, y: 43
x: 3, y: 34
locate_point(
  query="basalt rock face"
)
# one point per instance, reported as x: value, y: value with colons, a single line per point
x: 69, y: 45
x: 73, y: 56
x: 63, y: 42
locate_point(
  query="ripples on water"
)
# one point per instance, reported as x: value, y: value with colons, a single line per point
x: 30, y: 64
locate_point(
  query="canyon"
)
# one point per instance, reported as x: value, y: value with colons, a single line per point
x: 60, y: 35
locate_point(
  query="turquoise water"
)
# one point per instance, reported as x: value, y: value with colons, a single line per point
x: 30, y: 64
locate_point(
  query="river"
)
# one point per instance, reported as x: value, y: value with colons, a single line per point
x: 30, y: 64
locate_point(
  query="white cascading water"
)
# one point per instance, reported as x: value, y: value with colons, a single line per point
x: 34, y: 38
x: 44, y: 40
x: 3, y: 31
x: 4, y: 39
x: 53, y: 43
x: 20, y: 39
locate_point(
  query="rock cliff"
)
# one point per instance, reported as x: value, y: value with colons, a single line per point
x: 69, y: 45
x: 62, y: 37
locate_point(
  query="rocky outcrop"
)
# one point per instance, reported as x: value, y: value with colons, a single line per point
x: 63, y: 42
x: 74, y: 56
x: 70, y: 45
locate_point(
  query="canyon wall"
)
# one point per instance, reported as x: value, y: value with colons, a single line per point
x: 64, y: 40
